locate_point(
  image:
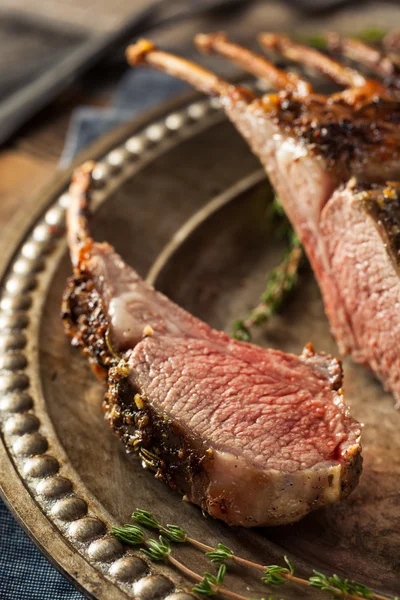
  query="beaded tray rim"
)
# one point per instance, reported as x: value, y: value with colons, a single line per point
x: 48, y: 505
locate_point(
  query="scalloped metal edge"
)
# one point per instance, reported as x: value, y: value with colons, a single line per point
x: 21, y: 428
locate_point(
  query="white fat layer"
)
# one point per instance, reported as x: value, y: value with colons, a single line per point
x: 133, y: 311
x: 255, y: 497
x: 307, y: 188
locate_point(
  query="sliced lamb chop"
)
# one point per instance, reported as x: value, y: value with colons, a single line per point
x: 318, y: 151
x: 253, y: 436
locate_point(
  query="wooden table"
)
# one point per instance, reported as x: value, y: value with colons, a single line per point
x: 31, y: 157
x: 29, y: 161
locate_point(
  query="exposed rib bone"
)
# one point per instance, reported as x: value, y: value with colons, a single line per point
x: 77, y: 223
x: 144, y: 52
x: 362, y: 53
x: 312, y: 58
x: 254, y: 63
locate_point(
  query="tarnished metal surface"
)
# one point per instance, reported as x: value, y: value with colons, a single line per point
x: 63, y: 472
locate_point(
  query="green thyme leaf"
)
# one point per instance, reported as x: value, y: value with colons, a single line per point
x: 289, y: 564
x: 274, y: 575
x: 157, y: 550
x: 372, y: 35
x: 204, y: 588
x: 277, y: 207
x: 335, y: 584
x: 210, y: 584
x: 318, y: 41
x: 241, y: 332
x: 220, y: 554
x: 280, y: 281
x: 221, y: 574
x: 174, y: 533
x: 129, y: 534
x: 144, y: 517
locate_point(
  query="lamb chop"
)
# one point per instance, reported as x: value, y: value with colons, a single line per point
x: 334, y: 162
x: 253, y: 436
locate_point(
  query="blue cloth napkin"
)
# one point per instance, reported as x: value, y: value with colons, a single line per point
x: 138, y: 91
x: 25, y: 574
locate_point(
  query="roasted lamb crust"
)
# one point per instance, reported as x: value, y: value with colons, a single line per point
x: 176, y: 456
x: 382, y: 203
x: 86, y: 324
x: 334, y: 129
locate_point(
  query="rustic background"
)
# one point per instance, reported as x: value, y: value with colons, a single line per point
x: 33, y: 39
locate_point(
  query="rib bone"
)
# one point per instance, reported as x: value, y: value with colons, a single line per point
x: 254, y: 63
x: 144, y: 52
x: 359, y: 89
x: 323, y: 150
x: 77, y: 223
x: 312, y: 58
x: 363, y: 53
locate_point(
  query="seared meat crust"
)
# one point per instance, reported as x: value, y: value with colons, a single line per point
x: 253, y: 436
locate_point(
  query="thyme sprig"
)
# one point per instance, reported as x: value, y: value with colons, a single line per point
x: 207, y: 584
x: 211, y: 585
x: 129, y: 534
x: 280, y: 281
x: 334, y: 583
x: 158, y: 550
x: 220, y: 554
x: 170, y: 532
x: 276, y: 575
